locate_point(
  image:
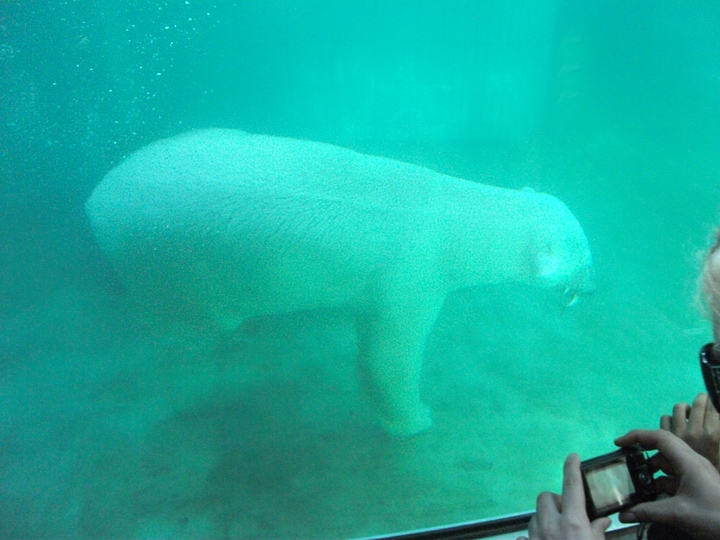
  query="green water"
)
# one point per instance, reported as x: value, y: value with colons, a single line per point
x: 112, y: 427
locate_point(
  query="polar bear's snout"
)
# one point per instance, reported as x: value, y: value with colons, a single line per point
x: 565, y: 260
x: 583, y: 284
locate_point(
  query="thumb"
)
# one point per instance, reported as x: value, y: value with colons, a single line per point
x: 648, y: 512
x: 599, y: 526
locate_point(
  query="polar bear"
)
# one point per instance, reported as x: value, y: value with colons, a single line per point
x: 220, y: 226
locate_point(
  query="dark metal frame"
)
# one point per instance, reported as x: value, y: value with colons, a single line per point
x: 485, y: 529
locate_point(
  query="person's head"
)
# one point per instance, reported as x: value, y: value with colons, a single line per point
x: 711, y: 286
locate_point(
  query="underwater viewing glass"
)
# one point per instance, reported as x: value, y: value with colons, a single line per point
x: 309, y: 269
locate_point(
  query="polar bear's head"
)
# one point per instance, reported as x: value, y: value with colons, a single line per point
x: 561, y: 255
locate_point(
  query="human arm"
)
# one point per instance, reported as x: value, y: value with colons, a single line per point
x: 564, y: 517
x: 692, y: 479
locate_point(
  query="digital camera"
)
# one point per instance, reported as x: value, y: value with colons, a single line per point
x: 617, y: 481
x: 710, y: 367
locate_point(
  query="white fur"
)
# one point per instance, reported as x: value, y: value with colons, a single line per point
x: 221, y: 226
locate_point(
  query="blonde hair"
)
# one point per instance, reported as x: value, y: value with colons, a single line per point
x: 710, y: 280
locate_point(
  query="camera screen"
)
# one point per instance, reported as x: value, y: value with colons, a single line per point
x: 610, y: 485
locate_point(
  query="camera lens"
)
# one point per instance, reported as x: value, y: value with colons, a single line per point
x: 645, y: 478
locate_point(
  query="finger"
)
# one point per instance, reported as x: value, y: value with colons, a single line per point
x: 696, y: 419
x: 547, y: 515
x: 671, y: 446
x: 649, y: 512
x: 712, y: 418
x: 628, y: 517
x: 548, y: 506
x: 681, y: 413
x: 666, y: 422
x: 573, y: 494
x: 532, y: 526
x: 599, y: 526
x: 667, y: 484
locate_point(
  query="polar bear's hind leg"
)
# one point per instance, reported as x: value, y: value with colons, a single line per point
x: 391, y: 346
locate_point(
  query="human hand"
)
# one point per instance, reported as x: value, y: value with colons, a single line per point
x: 698, y: 426
x: 695, y: 483
x: 565, y: 518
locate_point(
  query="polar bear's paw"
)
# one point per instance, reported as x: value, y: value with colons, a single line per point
x: 408, y: 425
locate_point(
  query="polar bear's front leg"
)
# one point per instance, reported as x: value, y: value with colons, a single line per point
x: 391, y: 346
